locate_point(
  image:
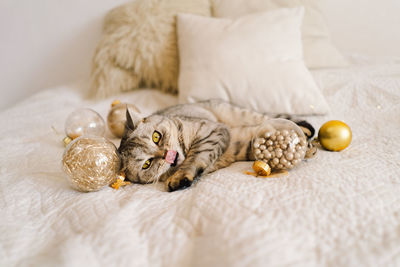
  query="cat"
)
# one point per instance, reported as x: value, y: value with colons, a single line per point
x: 182, y: 142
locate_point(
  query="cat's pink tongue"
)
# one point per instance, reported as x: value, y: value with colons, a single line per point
x: 170, y: 156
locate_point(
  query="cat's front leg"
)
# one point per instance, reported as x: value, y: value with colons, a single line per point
x: 180, y: 179
x: 210, y: 143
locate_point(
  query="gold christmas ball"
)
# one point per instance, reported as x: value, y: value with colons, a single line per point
x: 90, y: 162
x: 334, y: 135
x: 117, y: 117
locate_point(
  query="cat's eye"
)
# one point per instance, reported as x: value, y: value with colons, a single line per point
x: 156, y: 137
x: 147, y: 164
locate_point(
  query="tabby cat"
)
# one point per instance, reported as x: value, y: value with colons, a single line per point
x: 200, y: 137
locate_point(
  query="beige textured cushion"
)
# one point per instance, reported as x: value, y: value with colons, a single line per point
x: 319, y: 52
x: 254, y: 61
x: 138, y: 47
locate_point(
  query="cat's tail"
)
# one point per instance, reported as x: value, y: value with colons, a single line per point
x: 307, y: 128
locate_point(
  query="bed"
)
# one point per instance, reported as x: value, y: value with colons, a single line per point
x: 338, y: 209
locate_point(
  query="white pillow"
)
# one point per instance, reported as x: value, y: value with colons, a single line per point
x: 254, y: 61
x: 319, y: 52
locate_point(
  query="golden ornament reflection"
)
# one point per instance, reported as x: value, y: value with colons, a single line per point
x: 117, y: 117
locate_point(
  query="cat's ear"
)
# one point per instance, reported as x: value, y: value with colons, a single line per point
x: 133, y: 117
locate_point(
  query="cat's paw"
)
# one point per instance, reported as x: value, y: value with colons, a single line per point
x: 178, y: 180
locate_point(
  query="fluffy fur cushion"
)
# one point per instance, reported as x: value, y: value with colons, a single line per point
x: 138, y: 48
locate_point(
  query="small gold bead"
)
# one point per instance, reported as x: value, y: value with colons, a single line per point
x: 261, y: 168
x: 67, y: 140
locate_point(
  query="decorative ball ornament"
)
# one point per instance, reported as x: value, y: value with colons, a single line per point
x: 116, y: 118
x: 90, y: 162
x: 281, y: 144
x: 334, y: 135
x: 84, y: 121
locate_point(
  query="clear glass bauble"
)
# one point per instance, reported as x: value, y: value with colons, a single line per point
x: 84, y: 121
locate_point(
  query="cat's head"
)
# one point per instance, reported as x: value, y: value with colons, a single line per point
x: 144, y: 146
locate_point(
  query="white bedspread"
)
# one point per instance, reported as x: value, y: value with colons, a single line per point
x: 339, y: 209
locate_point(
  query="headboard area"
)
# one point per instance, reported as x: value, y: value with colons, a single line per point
x: 47, y: 43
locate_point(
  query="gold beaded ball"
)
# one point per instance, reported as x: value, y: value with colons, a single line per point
x: 334, y: 135
x: 280, y: 143
x: 117, y: 117
x: 90, y: 162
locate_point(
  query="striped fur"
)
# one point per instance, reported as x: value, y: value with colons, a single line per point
x: 207, y: 135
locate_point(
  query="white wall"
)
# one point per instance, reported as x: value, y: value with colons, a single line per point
x: 370, y: 27
x: 44, y: 43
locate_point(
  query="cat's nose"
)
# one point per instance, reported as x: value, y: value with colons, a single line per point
x: 161, y: 153
x: 171, y: 157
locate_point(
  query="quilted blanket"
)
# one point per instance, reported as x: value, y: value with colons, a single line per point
x: 338, y: 209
